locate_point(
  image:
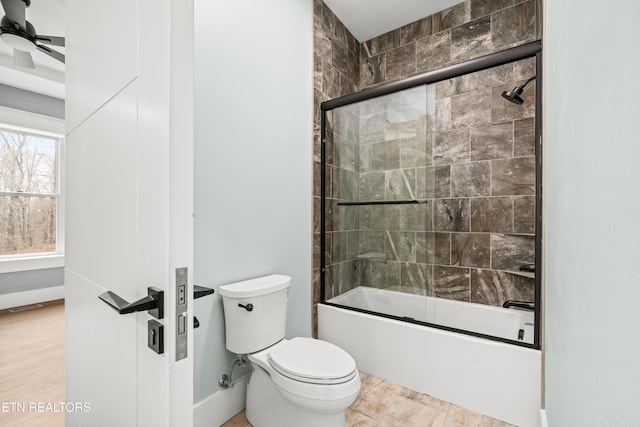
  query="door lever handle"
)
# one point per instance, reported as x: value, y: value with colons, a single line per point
x: 154, y: 302
x: 201, y: 291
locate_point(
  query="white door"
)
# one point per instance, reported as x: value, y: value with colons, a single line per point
x: 128, y: 208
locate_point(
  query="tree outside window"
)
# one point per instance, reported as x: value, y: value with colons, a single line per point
x: 28, y: 193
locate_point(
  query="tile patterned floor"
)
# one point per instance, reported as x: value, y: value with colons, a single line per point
x: 384, y: 404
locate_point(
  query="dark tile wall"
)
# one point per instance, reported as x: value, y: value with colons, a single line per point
x: 483, y: 203
x: 467, y: 30
x: 343, y: 222
x: 395, y: 148
x: 457, y: 146
x: 470, y: 155
x: 336, y: 73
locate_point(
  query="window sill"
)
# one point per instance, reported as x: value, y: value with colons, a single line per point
x: 26, y: 263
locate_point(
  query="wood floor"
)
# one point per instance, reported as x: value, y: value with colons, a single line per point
x: 32, y: 366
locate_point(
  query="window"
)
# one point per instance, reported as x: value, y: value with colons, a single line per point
x: 29, y: 193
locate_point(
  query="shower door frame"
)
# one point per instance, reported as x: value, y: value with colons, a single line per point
x: 524, y: 51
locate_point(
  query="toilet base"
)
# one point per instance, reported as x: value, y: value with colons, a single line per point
x: 266, y: 407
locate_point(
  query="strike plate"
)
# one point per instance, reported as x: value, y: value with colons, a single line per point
x: 181, y: 313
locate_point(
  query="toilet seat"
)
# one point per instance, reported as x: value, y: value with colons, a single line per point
x: 312, y: 361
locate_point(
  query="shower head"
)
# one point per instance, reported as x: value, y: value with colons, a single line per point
x: 514, y: 95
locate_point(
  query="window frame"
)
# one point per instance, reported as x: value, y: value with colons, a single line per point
x: 35, y: 124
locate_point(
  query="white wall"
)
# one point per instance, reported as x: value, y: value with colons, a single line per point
x: 592, y: 213
x: 253, y: 159
x: 24, y: 100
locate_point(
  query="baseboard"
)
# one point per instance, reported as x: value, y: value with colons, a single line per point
x: 543, y: 418
x: 17, y: 299
x: 221, y: 406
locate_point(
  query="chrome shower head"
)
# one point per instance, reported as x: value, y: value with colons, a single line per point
x: 514, y: 95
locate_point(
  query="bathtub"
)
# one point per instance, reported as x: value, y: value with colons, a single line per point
x: 497, y: 379
x: 516, y: 325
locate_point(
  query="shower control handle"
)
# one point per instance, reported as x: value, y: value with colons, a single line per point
x: 248, y: 307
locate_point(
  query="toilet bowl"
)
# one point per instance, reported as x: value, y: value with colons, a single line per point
x: 297, y: 382
x: 318, y: 395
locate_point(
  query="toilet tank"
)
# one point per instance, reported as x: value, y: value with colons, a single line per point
x: 255, y: 312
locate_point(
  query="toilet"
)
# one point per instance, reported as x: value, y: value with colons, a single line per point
x: 295, y: 382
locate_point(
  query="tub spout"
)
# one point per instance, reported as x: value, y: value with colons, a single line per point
x: 525, y: 305
x: 529, y: 268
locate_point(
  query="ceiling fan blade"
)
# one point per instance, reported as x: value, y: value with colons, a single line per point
x: 22, y: 59
x: 15, y: 11
x: 52, y: 40
x: 52, y: 53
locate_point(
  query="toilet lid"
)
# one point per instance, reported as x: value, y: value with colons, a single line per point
x: 313, y: 361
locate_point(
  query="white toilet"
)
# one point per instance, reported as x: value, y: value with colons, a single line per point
x: 298, y: 382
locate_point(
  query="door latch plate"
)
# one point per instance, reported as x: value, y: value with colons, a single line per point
x: 181, y: 313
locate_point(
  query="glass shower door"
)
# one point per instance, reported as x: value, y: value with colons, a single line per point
x: 379, y: 155
x: 430, y: 199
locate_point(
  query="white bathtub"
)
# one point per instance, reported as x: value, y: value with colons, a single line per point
x: 497, y: 379
x: 480, y: 318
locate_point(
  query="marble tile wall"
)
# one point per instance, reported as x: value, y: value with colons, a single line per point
x: 467, y: 30
x: 497, y: 176
x: 343, y: 222
x: 395, y: 148
x: 472, y: 155
x: 336, y: 73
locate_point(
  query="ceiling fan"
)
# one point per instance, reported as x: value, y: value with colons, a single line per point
x: 18, y: 33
